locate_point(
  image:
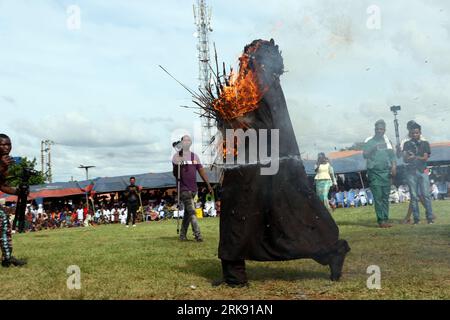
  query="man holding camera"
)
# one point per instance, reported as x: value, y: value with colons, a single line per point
x: 5, y: 225
x: 189, y: 164
x: 381, y: 167
x: 409, y: 127
x: 416, y: 153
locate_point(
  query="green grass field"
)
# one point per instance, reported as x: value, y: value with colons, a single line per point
x: 148, y: 262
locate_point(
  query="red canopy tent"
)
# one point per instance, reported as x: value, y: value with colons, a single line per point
x: 53, y: 190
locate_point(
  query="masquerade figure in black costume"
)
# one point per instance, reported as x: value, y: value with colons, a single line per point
x: 271, y: 217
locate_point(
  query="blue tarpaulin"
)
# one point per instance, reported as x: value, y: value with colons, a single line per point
x: 147, y: 181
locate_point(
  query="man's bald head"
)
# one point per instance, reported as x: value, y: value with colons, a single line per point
x: 186, y: 142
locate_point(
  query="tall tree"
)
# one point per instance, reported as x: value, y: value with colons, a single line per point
x: 15, y: 172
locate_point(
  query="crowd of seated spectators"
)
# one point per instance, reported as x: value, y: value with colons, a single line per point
x: 156, y: 206
x: 364, y: 197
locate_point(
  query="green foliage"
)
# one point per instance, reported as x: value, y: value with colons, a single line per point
x: 15, y: 173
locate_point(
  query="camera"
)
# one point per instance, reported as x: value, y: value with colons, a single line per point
x: 396, y: 109
x: 177, y: 145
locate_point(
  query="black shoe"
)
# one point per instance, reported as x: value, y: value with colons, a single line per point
x: 199, y: 239
x: 183, y: 239
x: 217, y: 283
x: 18, y: 262
x: 6, y: 263
x: 238, y: 285
x: 13, y: 261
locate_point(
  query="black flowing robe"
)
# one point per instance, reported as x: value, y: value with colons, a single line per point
x: 273, y: 217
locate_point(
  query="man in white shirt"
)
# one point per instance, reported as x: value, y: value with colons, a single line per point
x: 97, y: 216
x: 88, y: 220
x: 434, y: 190
x: 123, y: 215
x: 113, y: 212
x: 210, y: 210
x: 106, y: 215
x: 363, y: 197
x: 80, y: 215
x: 34, y: 212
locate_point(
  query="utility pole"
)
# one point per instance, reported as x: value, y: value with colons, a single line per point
x: 46, y: 159
x: 87, y: 178
x: 202, y: 19
x: 49, y: 171
x: 87, y: 170
x: 42, y: 157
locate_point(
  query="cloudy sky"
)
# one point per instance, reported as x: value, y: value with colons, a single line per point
x: 97, y: 90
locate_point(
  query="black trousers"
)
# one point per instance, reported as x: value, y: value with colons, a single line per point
x: 234, y: 272
x: 132, y: 208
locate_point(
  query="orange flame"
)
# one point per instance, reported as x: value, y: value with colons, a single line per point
x: 233, y: 151
x: 243, y: 93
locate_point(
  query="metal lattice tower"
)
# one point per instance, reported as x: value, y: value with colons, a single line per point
x: 46, y: 159
x: 202, y: 18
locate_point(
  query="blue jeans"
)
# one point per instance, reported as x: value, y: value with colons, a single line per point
x: 187, y: 198
x: 419, y: 184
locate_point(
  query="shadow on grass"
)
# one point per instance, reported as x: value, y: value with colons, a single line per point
x: 176, y: 239
x: 261, y: 272
x: 421, y: 230
x: 433, y: 231
x: 41, y: 235
x: 364, y: 223
x: 211, y: 270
